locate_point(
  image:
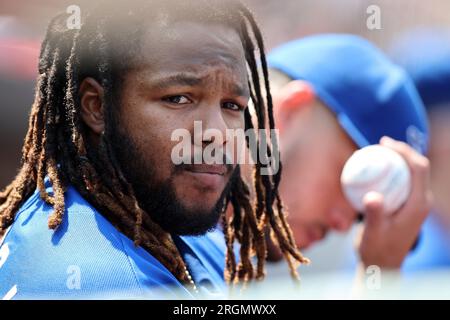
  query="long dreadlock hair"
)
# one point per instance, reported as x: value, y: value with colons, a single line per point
x: 56, y: 144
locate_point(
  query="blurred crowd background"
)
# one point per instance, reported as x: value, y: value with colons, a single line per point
x: 23, y: 25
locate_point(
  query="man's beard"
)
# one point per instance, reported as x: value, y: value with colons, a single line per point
x: 158, y: 199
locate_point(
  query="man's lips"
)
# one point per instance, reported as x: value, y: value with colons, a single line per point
x: 219, y: 169
x: 211, y: 177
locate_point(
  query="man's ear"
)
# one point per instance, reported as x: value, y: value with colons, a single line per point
x: 294, y: 96
x: 91, y: 97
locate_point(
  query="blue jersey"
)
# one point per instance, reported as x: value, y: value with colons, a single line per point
x: 87, y: 257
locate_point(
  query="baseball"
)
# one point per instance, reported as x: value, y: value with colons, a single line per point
x: 380, y: 169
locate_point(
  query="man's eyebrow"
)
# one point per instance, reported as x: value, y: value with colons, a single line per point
x: 181, y: 79
x: 185, y: 79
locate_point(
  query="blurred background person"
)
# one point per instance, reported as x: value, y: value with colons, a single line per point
x: 286, y: 20
x: 332, y: 95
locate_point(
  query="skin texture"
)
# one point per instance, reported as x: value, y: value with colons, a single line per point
x: 193, y: 74
x: 314, y: 149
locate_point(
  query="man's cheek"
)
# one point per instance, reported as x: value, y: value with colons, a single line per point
x: 155, y: 154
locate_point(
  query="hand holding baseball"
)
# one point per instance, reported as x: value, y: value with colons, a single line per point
x: 380, y: 169
x: 387, y: 238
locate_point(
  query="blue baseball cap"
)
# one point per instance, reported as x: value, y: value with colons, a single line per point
x: 425, y: 55
x: 371, y: 96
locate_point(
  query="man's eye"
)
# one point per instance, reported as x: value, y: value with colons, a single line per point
x: 177, y: 100
x: 232, y: 106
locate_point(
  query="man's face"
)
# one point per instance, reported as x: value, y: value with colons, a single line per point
x: 187, y: 72
x: 314, y: 150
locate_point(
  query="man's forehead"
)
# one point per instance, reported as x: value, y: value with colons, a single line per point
x: 190, y: 53
x: 192, y: 43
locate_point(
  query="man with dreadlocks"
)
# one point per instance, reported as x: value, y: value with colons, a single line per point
x: 98, y: 206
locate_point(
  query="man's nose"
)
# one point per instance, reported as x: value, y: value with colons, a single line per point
x: 214, y: 127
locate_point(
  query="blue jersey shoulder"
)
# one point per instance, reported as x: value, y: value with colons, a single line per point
x: 87, y: 257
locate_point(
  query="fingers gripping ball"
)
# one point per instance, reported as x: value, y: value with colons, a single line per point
x: 380, y: 169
